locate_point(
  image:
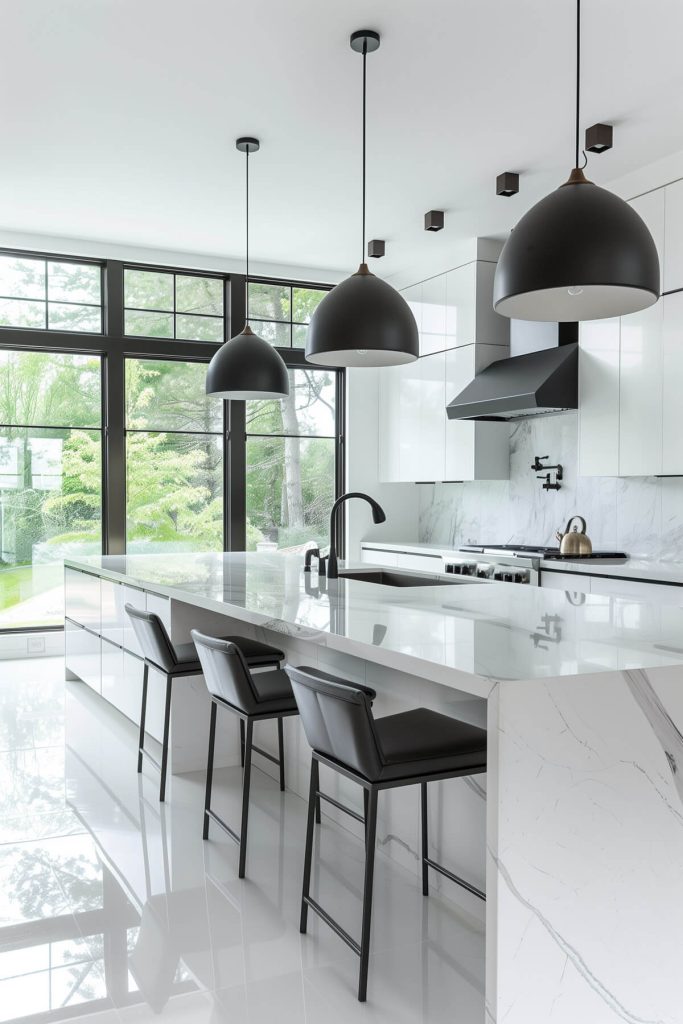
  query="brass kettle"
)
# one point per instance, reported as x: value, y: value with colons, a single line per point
x: 574, y: 541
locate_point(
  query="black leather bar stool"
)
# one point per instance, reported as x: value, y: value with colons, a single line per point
x: 254, y: 697
x: 176, y: 661
x: 411, y: 748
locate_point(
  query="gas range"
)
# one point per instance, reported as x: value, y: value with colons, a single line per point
x: 513, y: 563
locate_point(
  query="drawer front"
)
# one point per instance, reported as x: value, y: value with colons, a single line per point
x: 377, y: 556
x: 112, y: 671
x: 113, y: 616
x: 574, y: 582
x: 424, y: 563
x: 82, y: 598
x: 83, y: 655
x: 657, y: 593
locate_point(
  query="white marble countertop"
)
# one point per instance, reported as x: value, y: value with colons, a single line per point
x: 467, y: 635
x: 648, y: 570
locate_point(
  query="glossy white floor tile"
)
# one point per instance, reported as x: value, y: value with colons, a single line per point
x: 113, y: 909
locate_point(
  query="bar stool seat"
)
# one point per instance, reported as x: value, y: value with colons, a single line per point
x: 411, y: 748
x: 423, y: 742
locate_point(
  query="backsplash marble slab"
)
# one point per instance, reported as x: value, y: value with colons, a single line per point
x: 642, y: 516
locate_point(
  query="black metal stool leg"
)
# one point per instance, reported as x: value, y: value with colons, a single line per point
x: 164, y: 742
x: 281, y: 745
x: 209, y: 769
x: 425, y: 829
x: 242, y: 742
x: 313, y: 810
x: 143, y: 715
x: 371, y: 833
x: 366, y: 798
x: 245, y: 798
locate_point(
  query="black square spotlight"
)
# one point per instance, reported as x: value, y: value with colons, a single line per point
x: 507, y: 184
x: 377, y: 247
x: 434, y: 220
x: 599, y: 137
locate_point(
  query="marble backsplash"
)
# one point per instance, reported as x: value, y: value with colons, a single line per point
x: 642, y: 516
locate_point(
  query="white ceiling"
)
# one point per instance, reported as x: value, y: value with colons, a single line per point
x: 119, y: 117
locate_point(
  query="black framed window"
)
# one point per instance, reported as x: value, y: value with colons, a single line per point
x: 49, y: 294
x: 122, y: 450
x: 164, y: 304
x: 279, y: 311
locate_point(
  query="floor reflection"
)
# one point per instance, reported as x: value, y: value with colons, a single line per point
x: 112, y: 905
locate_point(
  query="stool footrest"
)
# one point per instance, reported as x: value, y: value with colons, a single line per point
x: 264, y: 753
x: 337, y: 928
x: 455, y: 878
x: 340, y: 807
x: 224, y: 825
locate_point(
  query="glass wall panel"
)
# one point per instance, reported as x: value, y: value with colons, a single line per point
x: 40, y: 294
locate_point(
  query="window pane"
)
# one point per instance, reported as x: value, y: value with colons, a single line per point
x: 50, y: 504
x: 299, y: 332
x: 149, y: 325
x: 309, y: 409
x: 22, y: 278
x: 21, y: 313
x: 276, y: 334
x: 174, y: 493
x: 74, y: 282
x: 304, y: 302
x: 270, y: 301
x: 199, y: 295
x: 50, y: 389
x: 198, y: 328
x: 290, y: 490
x: 63, y: 316
x: 165, y: 395
x: 148, y: 289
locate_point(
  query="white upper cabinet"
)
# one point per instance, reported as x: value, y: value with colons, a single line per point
x: 459, y: 335
x: 673, y: 237
x: 640, y: 393
x: 599, y: 397
x: 651, y: 207
x: 672, y: 384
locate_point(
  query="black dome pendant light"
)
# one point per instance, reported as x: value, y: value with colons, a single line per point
x: 247, y: 367
x: 581, y: 253
x: 363, y: 321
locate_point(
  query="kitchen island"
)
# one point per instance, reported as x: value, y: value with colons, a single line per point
x: 578, y: 836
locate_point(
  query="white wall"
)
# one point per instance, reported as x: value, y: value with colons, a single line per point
x: 399, y: 501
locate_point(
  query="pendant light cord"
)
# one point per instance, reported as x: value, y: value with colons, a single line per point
x: 365, y: 57
x: 578, y: 77
x: 246, y: 280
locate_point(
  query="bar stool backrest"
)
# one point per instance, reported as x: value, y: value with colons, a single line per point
x: 226, y: 672
x: 153, y: 638
x: 337, y: 719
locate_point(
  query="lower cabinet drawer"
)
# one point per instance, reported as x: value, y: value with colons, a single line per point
x: 574, y: 582
x: 122, y: 680
x: 377, y: 556
x: 83, y: 655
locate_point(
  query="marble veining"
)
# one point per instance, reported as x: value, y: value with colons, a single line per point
x: 640, y: 515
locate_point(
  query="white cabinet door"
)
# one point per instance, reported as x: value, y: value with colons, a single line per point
x: 82, y: 655
x: 113, y: 614
x: 461, y: 311
x: 389, y: 442
x: 427, y: 460
x: 599, y: 398
x: 673, y: 236
x: 138, y: 599
x: 112, y: 672
x: 575, y: 583
x: 82, y: 598
x: 651, y: 208
x: 474, y: 451
x: 433, y: 321
x: 672, y: 384
x: 640, y: 393
x: 656, y: 593
x: 408, y: 426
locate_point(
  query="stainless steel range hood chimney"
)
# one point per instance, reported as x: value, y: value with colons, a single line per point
x: 536, y: 383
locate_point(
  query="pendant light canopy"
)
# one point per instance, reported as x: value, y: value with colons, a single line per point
x: 363, y: 321
x: 581, y: 253
x: 247, y: 367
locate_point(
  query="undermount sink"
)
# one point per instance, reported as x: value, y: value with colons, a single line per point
x: 389, y: 578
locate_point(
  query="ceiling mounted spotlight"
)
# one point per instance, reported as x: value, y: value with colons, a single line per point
x: 507, y: 184
x: 377, y: 247
x: 247, y: 367
x: 582, y: 253
x: 434, y: 220
x: 599, y: 137
x: 363, y: 321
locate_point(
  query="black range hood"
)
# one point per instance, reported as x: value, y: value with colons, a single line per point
x: 540, y: 382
